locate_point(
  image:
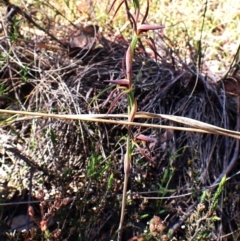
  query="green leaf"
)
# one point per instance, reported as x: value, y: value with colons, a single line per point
x: 144, y: 216
x: 110, y: 181
x: 215, y: 218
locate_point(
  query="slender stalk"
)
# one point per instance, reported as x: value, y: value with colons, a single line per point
x: 124, y: 199
x: 127, y: 166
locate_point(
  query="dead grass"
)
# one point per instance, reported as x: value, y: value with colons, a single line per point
x: 73, y: 170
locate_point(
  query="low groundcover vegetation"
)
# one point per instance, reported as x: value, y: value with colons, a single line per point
x: 115, y: 126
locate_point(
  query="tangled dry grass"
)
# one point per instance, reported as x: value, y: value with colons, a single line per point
x: 73, y: 169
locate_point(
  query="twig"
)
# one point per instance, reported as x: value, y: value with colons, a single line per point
x: 29, y: 18
x: 182, y: 219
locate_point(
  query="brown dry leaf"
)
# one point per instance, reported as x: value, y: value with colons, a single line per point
x: 85, y: 37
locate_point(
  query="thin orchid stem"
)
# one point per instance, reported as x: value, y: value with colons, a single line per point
x: 127, y: 166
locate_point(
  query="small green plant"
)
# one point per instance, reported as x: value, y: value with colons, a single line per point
x: 97, y: 167
x: 14, y: 33
x: 93, y: 163
x: 2, y: 89
x: 201, y: 222
x: 110, y: 181
x: 24, y: 73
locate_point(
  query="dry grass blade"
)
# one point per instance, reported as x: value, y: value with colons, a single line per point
x: 198, y: 125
